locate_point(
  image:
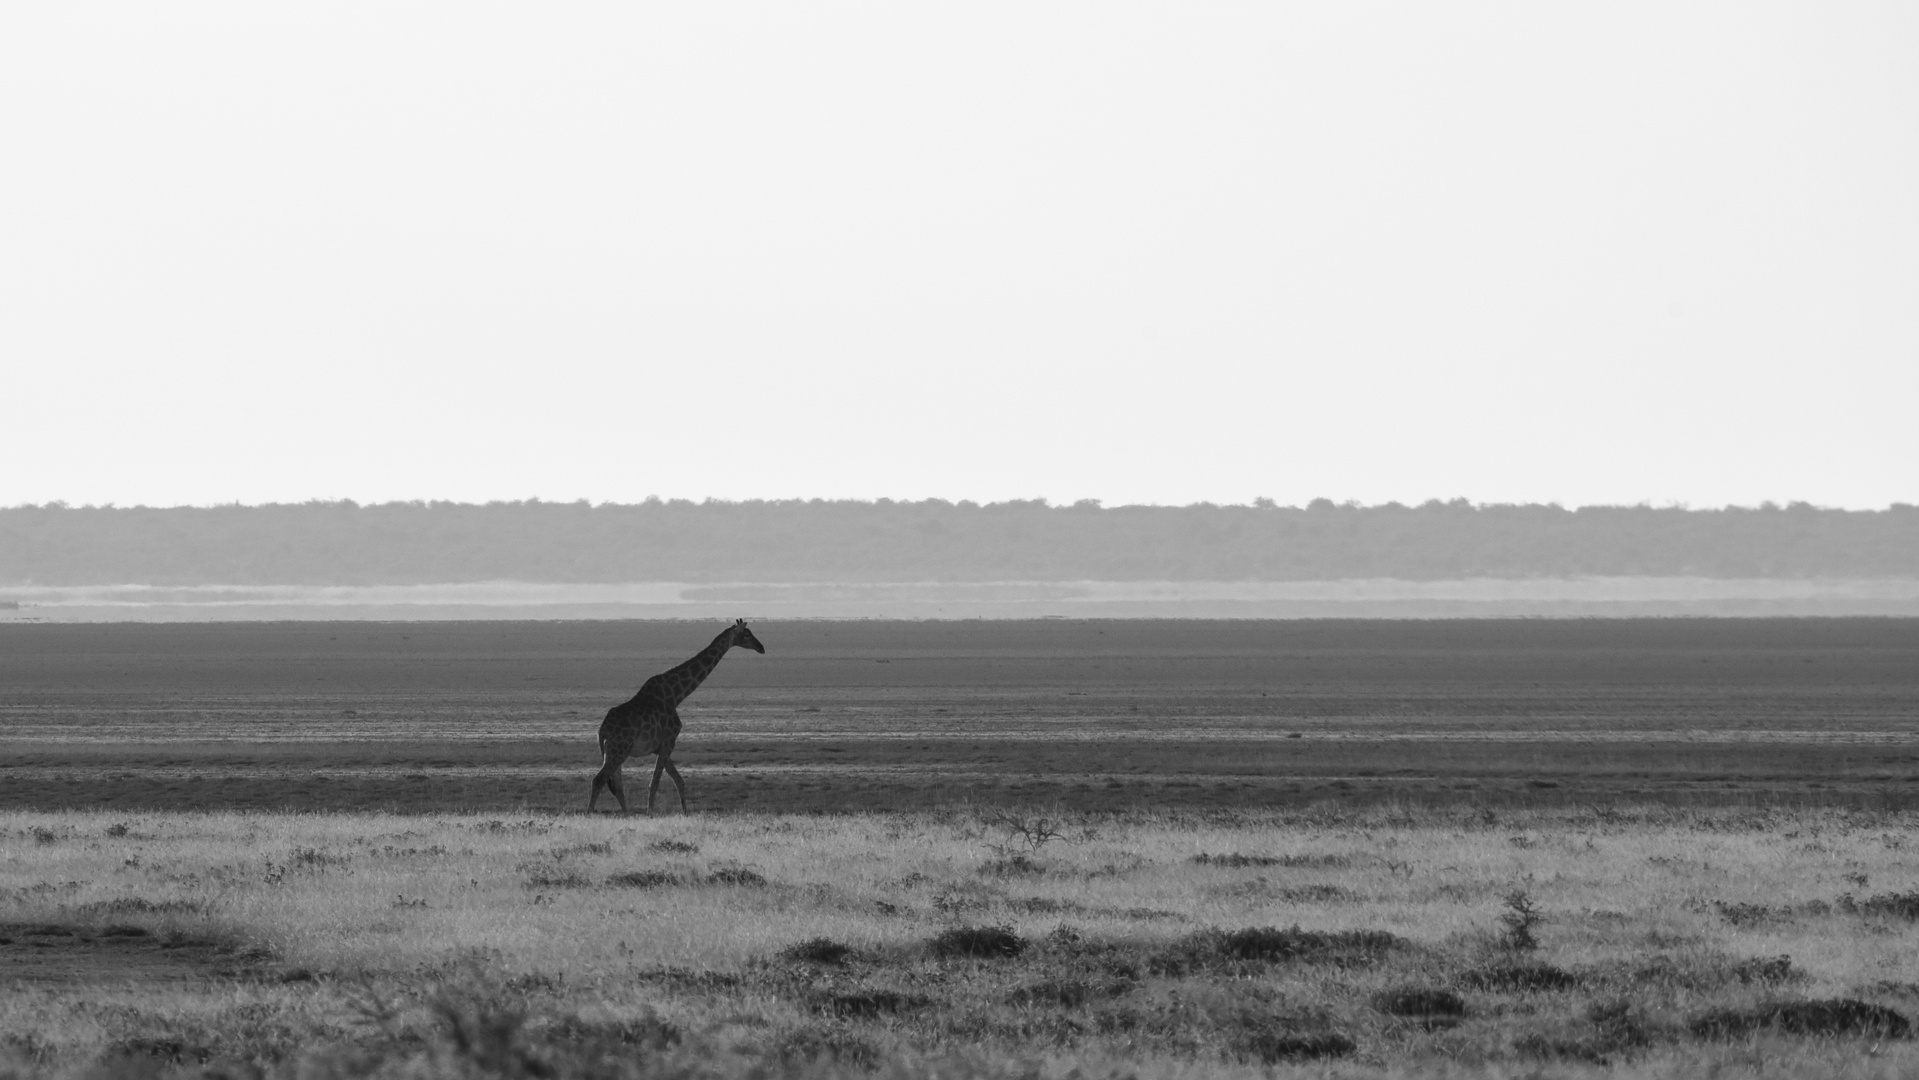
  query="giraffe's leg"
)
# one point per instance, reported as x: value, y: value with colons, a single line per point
x: 618, y: 788
x: 658, y: 767
x: 677, y: 786
x: 599, y: 782
x: 614, y: 748
x: 608, y: 778
x: 616, y: 745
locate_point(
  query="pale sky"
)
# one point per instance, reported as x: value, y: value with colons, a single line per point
x: 1139, y: 252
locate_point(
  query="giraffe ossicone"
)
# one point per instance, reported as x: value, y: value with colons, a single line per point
x: 649, y: 723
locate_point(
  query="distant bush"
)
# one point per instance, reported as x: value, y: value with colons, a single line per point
x: 978, y: 941
x: 819, y: 950
x: 342, y: 543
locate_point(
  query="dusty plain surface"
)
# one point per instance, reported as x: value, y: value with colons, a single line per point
x: 881, y: 716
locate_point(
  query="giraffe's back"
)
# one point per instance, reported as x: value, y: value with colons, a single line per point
x: 645, y: 724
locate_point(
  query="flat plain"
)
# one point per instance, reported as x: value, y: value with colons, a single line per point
x: 865, y: 716
x: 1047, y: 849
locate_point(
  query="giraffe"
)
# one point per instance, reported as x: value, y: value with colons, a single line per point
x: 649, y: 723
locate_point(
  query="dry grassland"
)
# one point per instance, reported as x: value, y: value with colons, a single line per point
x: 972, y: 942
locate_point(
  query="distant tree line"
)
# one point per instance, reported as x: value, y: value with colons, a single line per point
x: 343, y: 543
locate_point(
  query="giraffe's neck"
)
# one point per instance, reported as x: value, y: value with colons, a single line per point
x: 686, y: 678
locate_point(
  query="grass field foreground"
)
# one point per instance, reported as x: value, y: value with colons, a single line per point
x: 1648, y: 942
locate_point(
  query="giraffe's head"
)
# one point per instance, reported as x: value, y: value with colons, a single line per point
x: 744, y: 637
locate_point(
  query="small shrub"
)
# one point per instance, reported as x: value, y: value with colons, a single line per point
x: 819, y: 950
x: 1017, y: 865
x: 646, y: 879
x: 119, y: 828
x: 737, y: 876
x: 485, y: 1033
x: 1519, y: 918
x: 675, y: 847
x: 1837, y: 1016
x: 978, y: 941
x: 1033, y: 833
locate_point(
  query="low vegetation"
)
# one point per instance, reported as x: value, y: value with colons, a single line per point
x: 1639, y: 943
